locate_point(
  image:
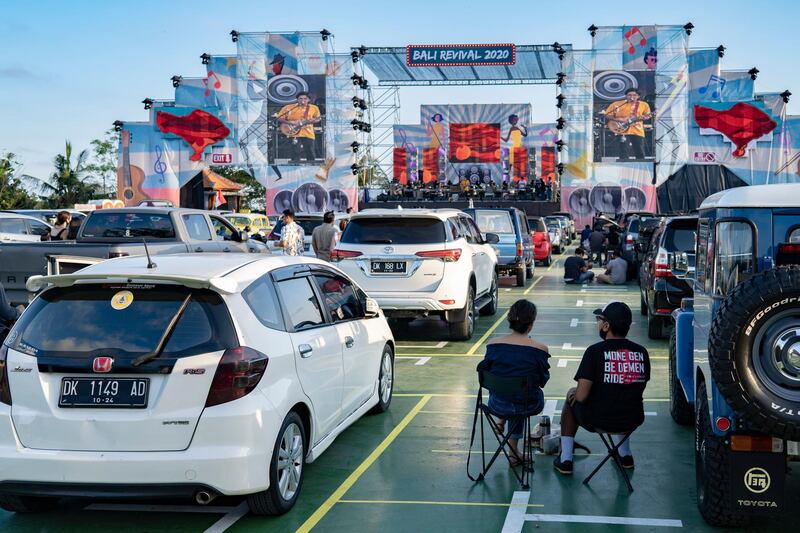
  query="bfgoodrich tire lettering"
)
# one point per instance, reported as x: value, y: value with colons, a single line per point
x: 750, y: 351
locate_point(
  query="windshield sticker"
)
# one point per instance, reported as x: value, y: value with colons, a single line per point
x: 122, y: 300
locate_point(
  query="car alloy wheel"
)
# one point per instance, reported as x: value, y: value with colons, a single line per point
x: 290, y: 461
x: 387, y: 377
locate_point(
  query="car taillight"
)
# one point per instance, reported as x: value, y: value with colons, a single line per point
x: 448, y: 256
x: 663, y: 269
x: 338, y: 255
x: 112, y: 255
x: 629, y: 239
x: 238, y: 373
x: 5, y: 390
x: 519, y: 249
x: 788, y: 254
x: 755, y: 443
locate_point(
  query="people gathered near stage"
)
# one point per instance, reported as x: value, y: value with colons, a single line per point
x: 478, y: 185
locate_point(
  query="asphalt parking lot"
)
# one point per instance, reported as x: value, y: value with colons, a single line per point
x: 406, y: 470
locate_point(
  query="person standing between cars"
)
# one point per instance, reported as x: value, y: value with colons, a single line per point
x: 611, y: 380
x: 292, y: 235
x: 597, y: 242
x: 576, y: 269
x: 7, y: 311
x: 517, y: 355
x: 616, y: 270
x: 585, y: 232
x: 60, y: 230
x: 323, y: 238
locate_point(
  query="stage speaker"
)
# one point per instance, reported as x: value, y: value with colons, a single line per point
x: 310, y: 198
x: 282, y: 201
x: 606, y: 198
x: 579, y: 202
x: 613, y: 84
x: 284, y: 88
x: 339, y: 200
x: 634, y: 199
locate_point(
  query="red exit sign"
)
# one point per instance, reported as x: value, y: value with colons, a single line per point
x: 221, y: 158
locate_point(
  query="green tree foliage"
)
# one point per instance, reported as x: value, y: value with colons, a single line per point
x: 103, y: 165
x: 69, y: 184
x: 255, y: 194
x: 13, y: 194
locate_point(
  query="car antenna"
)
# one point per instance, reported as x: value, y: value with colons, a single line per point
x: 150, y: 263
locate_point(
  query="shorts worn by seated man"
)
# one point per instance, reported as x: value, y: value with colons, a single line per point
x: 573, y: 270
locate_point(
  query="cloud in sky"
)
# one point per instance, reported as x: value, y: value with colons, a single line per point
x: 18, y: 73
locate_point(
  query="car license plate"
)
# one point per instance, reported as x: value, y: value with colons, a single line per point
x: 388, y: 267
x: 104, y: 392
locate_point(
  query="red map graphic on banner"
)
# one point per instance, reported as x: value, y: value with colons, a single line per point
x: 742, y: 123
x: 400, y: 168
x: 199, y: 129
x: 475, y: 143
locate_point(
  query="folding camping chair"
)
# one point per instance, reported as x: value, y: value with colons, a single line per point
x: 613, y: 453
x: 503, y: 385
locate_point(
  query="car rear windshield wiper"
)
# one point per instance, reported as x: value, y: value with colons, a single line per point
x: 376, y: 241
x: 162, y: 342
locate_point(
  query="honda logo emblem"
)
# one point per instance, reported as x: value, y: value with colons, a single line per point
x: 102, y: 364
x: 388, y: 250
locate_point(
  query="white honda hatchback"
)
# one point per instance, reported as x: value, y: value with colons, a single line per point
x: 192, y: 378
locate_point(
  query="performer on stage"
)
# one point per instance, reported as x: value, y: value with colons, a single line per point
x: 625, y: 118
x: 297, y: 123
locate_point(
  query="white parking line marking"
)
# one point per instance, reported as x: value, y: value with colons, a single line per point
x: 507, y: 290
x: 549, y: 408
x: 588, y: 519
x: 569, y: 346
x: 158, y: 508
x: 420, y: 360
x: 579, y: 303
x: 437, y: 346
x: 574, y: 323
x: 229, y: 519
x: 515, y: 518
x: 562, y: 363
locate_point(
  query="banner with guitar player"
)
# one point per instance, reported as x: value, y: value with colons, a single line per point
x: 623, y: 117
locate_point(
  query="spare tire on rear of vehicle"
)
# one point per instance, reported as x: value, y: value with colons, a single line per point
x: 754, y: 351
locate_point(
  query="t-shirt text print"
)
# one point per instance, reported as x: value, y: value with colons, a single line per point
x: 624, y: 367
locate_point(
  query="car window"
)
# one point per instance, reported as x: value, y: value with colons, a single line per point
x: 454, y: 228
x: 733, y: 258
x: 494, y: 221
x: 13, y: 225
x: 523, y: 224
x: 339, y: 297
x: 222, y: 229
x: 794, y: 236
x: 308, y: 224
x: 679, y: 239
x: 37, y: 228
x: 701, y: 261
x: 93, y: 318
x: 537, y: 224
x: 129, y: 225
x: 476, y: 232
x: 633, y: 225
x: 197, y: 227
x: 301, y: 303
x: 263, y: 301
x: 394, y: 230
x: 466, y: 230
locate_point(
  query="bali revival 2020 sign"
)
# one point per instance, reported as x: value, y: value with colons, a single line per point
x: 460, y: 55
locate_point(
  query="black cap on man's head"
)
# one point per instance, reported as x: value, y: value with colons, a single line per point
x: 618, y: 315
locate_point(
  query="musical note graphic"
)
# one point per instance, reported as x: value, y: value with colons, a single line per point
x: 550, y: 131
x: 159, y: 166
x: 217, y: 83
x: 629, y: 35
x: 720, y: 86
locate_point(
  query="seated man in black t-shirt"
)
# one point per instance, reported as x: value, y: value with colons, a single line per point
x: 577, y: 269
x: 611, y: 380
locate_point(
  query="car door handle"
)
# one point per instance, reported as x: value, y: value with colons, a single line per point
x: 226, y: 249
x: 349, y: 341
x: 305, y: 350
x: 198, y: 249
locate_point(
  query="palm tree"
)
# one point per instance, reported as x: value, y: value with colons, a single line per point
x: 68, y: 184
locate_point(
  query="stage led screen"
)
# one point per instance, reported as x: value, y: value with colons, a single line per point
x: 474, y: 143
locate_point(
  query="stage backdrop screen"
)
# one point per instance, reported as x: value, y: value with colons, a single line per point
x: 474, y: 143
x: 623, y: 103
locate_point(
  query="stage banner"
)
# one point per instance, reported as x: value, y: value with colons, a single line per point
x: 672, y: 102
x: 192, y: 92
x: 705, y: 82
x: 739, y: 86
x: 400, y: 165
x: 639, y: 48
x: 413, y: 138
x: 460, y: 55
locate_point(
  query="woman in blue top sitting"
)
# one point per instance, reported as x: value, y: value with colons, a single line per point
x: 516, y: 355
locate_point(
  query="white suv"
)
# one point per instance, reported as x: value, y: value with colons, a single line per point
x: 191, y: 378
x: 420, y: 262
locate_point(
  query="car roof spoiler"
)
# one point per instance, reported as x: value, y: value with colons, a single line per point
x: 218, y: 284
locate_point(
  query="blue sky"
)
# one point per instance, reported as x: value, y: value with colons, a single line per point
x: 68, y: 69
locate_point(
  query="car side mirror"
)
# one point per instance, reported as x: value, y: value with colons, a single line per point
x: 492, y: 238
x: 371, y: 308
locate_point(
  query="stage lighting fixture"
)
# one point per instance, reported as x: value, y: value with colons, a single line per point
x: 785, y: 95
x: 560, y: 123
x: 354, y: 56
x: 560, y: 145
x: 560, y: 77
x: 234, y: 35
x: 688, y: 27
x: 720, y: 50
x: 355, y: 146
x: 325, y: 34
x: 354, y: 168
x: 148, y: 103
x: 176, y: 80
x: 753, y: 73
x: 362, y: 50
x: 592, y: 30
x: 560, y: 100
x: 360, y: 81
x: 205, y: 58
x: 558, y: 49
x: 560, y: 168
x: 359, y: 103
x: 118, y: 125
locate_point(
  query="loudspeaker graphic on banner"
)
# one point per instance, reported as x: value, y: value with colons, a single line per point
x: 579, y: 202
x: 339, y: 200
x: 284, y: 89
x: 634, y: 199
x: 282, y: 201
x: 606, y: 198
x: 310, y: 198
x: 613, y: 85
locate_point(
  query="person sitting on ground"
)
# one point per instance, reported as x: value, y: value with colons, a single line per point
x: 611, y: 380
x: 616, y: 270
x: 577, y: 269
x: 585, y: 232
x: 614, y: 239
x: 517, y: 355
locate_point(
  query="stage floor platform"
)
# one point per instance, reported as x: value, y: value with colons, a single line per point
x: 530, y: 207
